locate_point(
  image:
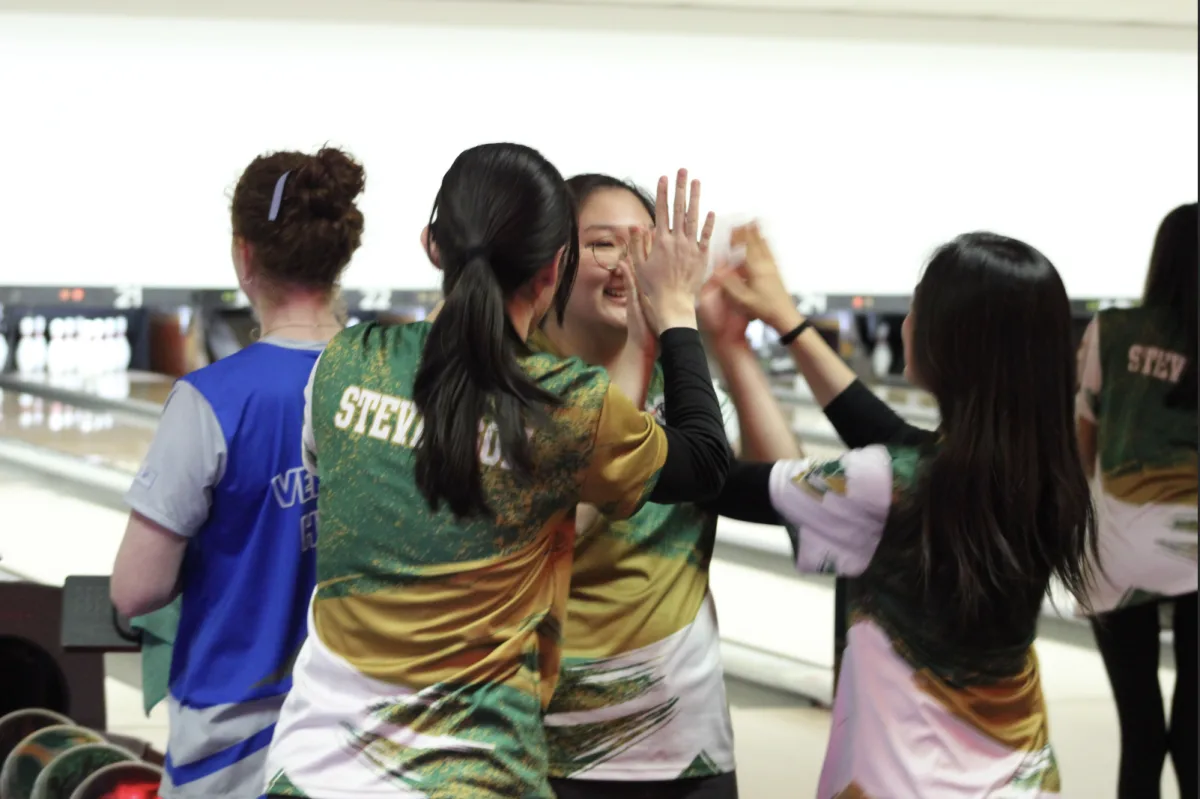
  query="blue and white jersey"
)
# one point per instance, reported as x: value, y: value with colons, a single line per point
x: 225, y: 472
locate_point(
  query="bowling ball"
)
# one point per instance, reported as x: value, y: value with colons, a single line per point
x: 68, y: 771
x: 33, y: 754
x: 141, y: 790
x: 20, y: 724
x: 129, y: 780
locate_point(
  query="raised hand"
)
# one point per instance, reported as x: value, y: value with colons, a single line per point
x: 720, y: 317
x: 670, y: 263
x: 757, y: 287
x: 640, y: 335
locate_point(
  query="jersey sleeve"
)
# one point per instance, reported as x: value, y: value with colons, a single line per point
x: 1087, y: 400
x: 835, y: 510
x: 186, y: 460
x: 308, y: 445
x: 628, y: 455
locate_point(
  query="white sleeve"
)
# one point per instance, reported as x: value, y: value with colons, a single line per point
x: 1087, y: 400
x: 308, y: 447
x: 836, y: 510
x: 185, y: 461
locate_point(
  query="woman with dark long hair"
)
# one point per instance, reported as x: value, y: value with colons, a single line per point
x: 1137, y: 433
x: 452, y: 458
x: 640, y: 709
x: 953, y: 535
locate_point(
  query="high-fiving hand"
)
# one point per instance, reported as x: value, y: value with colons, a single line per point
x: 669, y: 264
x: 757, y: 286
x: 721, y: 319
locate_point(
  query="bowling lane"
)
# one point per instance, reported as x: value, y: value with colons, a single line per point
x: 134, y: 392
x: 914, y: 404
x: 51, y: 532
x: 109, y: 439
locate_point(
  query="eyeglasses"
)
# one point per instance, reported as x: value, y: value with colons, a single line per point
x: 608, y: 253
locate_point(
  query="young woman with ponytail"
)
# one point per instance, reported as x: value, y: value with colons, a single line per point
x: 452, y: 458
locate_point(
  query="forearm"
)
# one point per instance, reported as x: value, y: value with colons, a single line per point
x: 698, y: 454
x: 765, y: 433
x: 147, y: 572
x: 860, y: 417
x: 823, y: 369
x: 746, y: 495
x: 631, y: 373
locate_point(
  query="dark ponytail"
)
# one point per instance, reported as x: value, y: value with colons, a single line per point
x: 502, y: 215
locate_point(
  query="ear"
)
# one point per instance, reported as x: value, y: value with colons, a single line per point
x: 547, y: 276
x: 243, y: 259
x: 430, y: 248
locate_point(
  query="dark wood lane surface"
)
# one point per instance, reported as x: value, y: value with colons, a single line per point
x: 100, y: 437
x: 135, y: 392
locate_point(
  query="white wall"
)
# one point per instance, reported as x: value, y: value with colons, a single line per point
x: 124, y: 134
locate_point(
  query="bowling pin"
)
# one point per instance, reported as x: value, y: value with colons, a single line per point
x: 124, y: 353
x: 25, y: 356
x: 40, y: 343
x: 82, y: 331
x: 70, y: 348
x: 99, y: 346
x: 89, y: 340
x: 881, y: 357
x: 55, y: 349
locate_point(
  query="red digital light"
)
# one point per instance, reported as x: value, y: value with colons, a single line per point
x: 77, y: 295
x: 64, y: 295
x: 856, y: 303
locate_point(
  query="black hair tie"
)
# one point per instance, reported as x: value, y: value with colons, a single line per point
x: 471, y: 253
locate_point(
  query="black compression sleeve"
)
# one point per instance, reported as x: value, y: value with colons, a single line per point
x: 747, y: 494
x: 861, y: 419
x: 697, y: 450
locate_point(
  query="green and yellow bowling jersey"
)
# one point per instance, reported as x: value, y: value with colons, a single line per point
x: 435, y: 642
x: 916, y: 713
x: 1146, y: 486
x: 642, y: 692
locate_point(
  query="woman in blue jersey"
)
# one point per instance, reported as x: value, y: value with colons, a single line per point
x: 223, y: 510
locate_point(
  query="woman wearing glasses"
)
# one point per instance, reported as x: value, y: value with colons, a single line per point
x: 640, y: 709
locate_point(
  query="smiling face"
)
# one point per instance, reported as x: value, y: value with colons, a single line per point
x: 600, y: 297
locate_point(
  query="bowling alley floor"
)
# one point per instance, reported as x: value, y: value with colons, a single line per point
x: 50, y: 529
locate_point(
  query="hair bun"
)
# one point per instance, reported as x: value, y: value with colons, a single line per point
x: 329, y: 183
